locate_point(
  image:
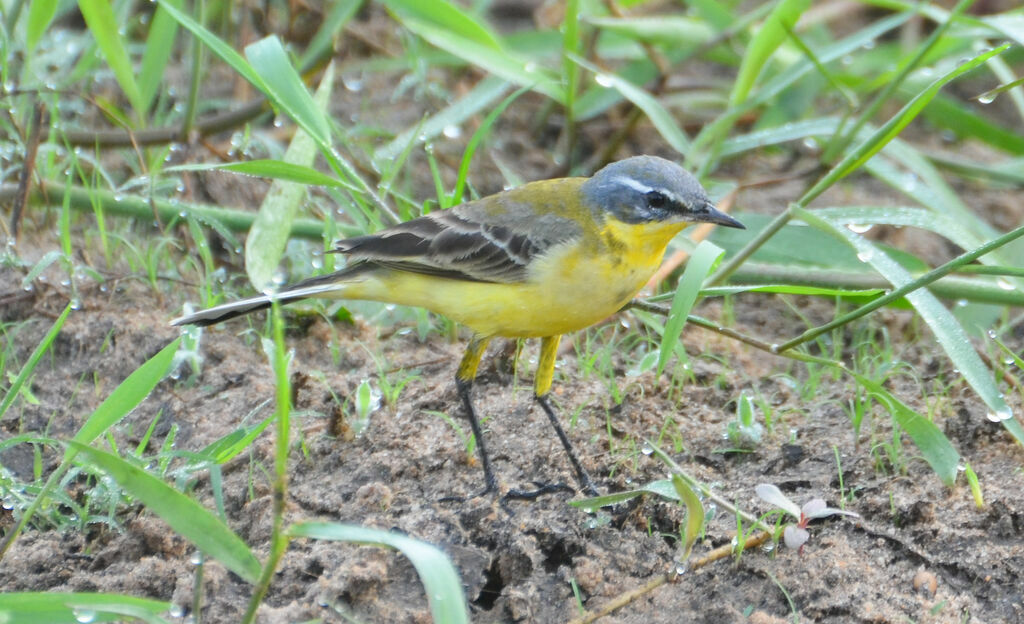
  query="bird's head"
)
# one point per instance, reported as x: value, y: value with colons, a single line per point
x: 645, y: 189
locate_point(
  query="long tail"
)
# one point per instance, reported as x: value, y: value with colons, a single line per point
x: 329, y: 286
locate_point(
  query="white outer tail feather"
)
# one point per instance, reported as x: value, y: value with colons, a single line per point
x: 227, y: 311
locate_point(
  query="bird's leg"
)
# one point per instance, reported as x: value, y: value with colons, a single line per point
x: 464, y: 383
x: 542, y: 385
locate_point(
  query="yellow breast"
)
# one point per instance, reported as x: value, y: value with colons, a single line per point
x: 572, y: 286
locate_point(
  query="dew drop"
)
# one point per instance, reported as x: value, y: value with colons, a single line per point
x: 85, y: 615
x: 1004, y: 283
x: 865, y: 255
x: 452, y: 131
x: 1001, y: 414
x: 352, y: 83
x: 859, y: 228
x: 646, y: 449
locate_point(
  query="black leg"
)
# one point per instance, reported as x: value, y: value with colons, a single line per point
x: 542, y: 385
x: 490, y: 482
x: 464, y: 384
x: 581, y: 474
x: 545, y: 369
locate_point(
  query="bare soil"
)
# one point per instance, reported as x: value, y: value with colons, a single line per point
x: 920, y: 552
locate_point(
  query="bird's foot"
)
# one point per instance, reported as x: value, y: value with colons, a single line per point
x: 542, y: 489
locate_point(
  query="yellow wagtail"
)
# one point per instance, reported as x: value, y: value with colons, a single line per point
x: 537, y: 261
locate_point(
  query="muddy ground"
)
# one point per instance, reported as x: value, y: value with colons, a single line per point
x: 920, y: 552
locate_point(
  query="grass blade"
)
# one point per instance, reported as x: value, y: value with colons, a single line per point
x: 159, y: 46
x: 694, y: 514
x: 187, y: 517
x: 337, y: 16
x: 891, y: 129
x: 269, y: 168
x: 822, y: 126
x: 40, y: 14
x: 935, y: 447
x: 447, y: 18
x: 662, y: 488
x: 774, y: 31
x: 451, y: 30
x: 697, y: 268
x: 99, y: 16
x: 950, y: 335
x: 61, y: 607
x: 33, y: 360
x: 218, y: 46
x: 285, y: 88
x: 474, y: 141
x: 658, y: 114
x: 483, y: 95
x: 444, y: 589
x: 669, y: 30
x: 128, y: 394
x: 269, y: 233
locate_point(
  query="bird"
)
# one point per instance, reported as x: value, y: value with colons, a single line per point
x: 541, y: 260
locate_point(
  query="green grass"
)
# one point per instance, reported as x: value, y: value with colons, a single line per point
x: 118, y: 212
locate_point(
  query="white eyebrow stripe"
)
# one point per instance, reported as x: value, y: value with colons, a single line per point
x: 643, y: 188
x: 633, y: 184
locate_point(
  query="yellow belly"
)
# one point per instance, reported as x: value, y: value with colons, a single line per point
x: 571, y: 287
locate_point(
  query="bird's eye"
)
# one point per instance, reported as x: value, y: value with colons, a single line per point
x: 656, y: 199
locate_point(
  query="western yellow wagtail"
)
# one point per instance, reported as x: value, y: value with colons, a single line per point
x: 537, y: 261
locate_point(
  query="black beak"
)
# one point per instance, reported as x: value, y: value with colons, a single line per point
x: 710, y: 214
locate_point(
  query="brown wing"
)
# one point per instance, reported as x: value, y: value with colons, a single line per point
x: 485, y: 242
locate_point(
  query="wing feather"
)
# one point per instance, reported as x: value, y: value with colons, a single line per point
x: 474, y: 241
